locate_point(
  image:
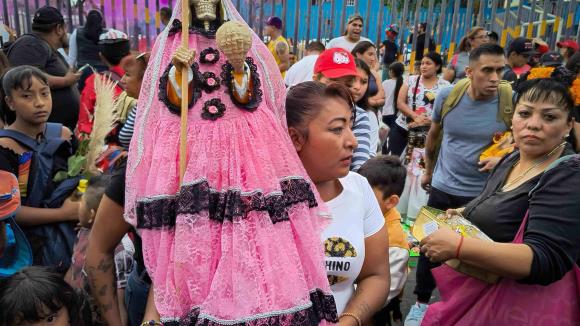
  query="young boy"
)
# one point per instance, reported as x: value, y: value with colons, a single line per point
x: 386, y: 175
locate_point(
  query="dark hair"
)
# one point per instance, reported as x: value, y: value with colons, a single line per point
x: 115, y: 52
x: 45, y: 28
x: 489, y: 49
x: 303, y: 101
x: 96, y: 189
x: 493, y: 35
x: 547, y: 90
x: 436, y: 58
x: 573, y: 63
x: 315, y: 46
x: 385, y: 172
x: 352, y: 19
x: 94, y: 26
x: 362, y: 47
x: 35, y: 293
x: 398, y: 70
x: 364, y: 101
x: 18, y: 78
x: 165, y: 12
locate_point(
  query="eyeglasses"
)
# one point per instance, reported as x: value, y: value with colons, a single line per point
x: 482, y: 36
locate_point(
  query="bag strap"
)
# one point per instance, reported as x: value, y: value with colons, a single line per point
x: 414, y: 105
x: 520, y: 234
x: 20, y: 138
x: 52, y: 132
x: 505, y: 110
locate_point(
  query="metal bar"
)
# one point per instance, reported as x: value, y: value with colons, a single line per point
x: 578, y: 34
x: 102, y: 7
x: 480, y: 16
x: 136, y: 31
x: 468, y: 17
x: 428, y: 30
x: 356, y: 6
x: 170, y: 3
x: 531, y: 19
x: 285, y: 14
x: 27, y: 16
x: 251, y: 14
x: 330, y: 30
x: 308, y: 19
x: 556, y: 31
x: 147, y: 24
x: 380, y: 22
x: 81, y: 13
x: 493, y: 15
x: 273, y: 11
x: 124, y: 9
x: 441, y: 25
x: 16, y: 17
x: 543, y: 25
x: 403, y: 26
x: 415, y: 34
x: 5, y: 12
x: 69, y: 12
x: 394, y: 12
x: 571, y: 12
x: 453, y: 29
x: 518, y: 27
x: 297, y: 11
x: 368, y: 17
x: 342, y: 16
x: 506, y: 27
x: 320, y: 20
x: 157, y: 17
x: 261, y: 21
x: 238, y: 7
x: 36, y: 3
x: 113, y: 16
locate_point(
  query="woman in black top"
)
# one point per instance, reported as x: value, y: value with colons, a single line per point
x: 520, y: 184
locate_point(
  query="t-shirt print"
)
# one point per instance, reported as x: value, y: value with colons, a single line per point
x: 338, y: 251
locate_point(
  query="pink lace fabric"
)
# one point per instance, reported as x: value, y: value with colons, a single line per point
x: 249, y: 268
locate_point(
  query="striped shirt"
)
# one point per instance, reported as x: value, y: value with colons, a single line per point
x: 126, y: 132
x: 362, y: 132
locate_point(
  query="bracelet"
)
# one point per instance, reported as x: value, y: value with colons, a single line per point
x: 358, y: 321
x: 151, y: 323
x: 459, y: 247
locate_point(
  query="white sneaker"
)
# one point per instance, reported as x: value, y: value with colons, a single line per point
x: 416, y: 314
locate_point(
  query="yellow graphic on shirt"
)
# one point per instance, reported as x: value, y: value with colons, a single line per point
x: 339, y: 248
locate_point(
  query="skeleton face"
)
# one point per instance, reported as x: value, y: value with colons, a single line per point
x: 205, y: 9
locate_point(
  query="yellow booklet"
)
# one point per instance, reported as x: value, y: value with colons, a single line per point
x: 430, y: 220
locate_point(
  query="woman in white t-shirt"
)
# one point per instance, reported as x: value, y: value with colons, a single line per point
x: 319, y: 121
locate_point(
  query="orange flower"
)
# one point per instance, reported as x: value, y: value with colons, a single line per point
x: 542, y: 72
x: 575, y: 89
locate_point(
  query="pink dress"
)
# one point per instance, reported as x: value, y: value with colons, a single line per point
x: 239, y: 242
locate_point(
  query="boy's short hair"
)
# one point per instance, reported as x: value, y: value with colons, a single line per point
x: 385, y: 172
x: 95, y: 189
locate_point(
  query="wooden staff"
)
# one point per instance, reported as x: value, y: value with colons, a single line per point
x: 184, y: 91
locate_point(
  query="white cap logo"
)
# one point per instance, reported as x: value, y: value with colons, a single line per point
x: 340, y: 58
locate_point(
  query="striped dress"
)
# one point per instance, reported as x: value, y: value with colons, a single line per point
x: 362, y: 132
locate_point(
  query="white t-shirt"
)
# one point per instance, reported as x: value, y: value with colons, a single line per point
x: 342, y: 42
x: 356, y: 215
x: 374, y: 141
x: 301, y: 71
x: 389, y: 88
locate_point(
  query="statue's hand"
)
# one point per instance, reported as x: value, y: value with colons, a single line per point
x: 183, y: 57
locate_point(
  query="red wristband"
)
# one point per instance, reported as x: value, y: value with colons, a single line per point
x: 459, y: 247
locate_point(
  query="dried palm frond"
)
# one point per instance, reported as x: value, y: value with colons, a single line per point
x: 104, y: 119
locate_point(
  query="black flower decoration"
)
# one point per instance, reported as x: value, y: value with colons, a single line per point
x: 209, y: 56
x: 213, y: 109
x: 210, y: 82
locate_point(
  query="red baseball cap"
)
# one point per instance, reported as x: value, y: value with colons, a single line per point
x: 335, y: 63
x: 568, y: 44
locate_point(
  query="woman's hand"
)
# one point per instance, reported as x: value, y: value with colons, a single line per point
x: 70, y: 210
x: 454, y: 212
x: 183, y: 57
x: 441, y: 245
x: 419, y: 121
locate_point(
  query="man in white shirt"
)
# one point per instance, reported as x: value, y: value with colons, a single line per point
x: 303, y: 70
x: 351, y: 35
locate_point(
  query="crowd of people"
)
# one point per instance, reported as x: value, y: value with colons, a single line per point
x: 286, y: 198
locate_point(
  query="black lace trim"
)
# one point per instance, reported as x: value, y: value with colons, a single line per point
x: 323, y: 308
x: 205, y: 58
x: 228, y: 205
x: 210, y: 82
x: 213, y: 109
x: 198, y: 28
x: 255, y: 93
x: 164, y: 84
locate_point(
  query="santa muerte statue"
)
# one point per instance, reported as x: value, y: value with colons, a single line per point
x: 237, y: 240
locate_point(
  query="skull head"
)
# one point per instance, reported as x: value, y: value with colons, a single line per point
x: 205, y: 10
x: 234, y: 39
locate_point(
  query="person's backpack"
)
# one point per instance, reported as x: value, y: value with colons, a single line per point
x: 504, y: 113
x: 52, y: 243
